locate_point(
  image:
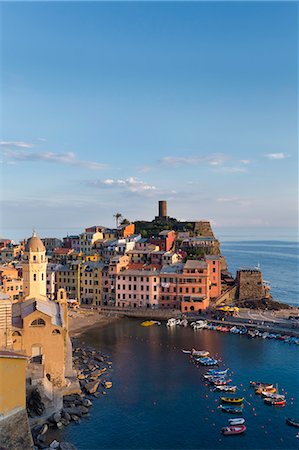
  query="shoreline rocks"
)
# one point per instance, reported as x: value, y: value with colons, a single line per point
x: 93, y: 372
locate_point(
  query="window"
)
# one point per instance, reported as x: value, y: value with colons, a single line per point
x: 34, y: 277
x: 55, y: 331
x: 34, y: 257
x: 42, y: 277
x: 16, y: 333
x: 38, y: 323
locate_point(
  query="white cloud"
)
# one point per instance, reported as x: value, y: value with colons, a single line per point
x: 216, y: 159
x: 274, y: 156
x: 18, y: 144
x: 130, y: 184
x: 236, y: 200
x: 13, y: 155
x: 244, y: 161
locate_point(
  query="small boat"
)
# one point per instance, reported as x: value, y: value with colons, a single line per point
x: 292, y: 422
x: 200, y: 353
x: 217, y: 372
x: 231, y: 409
x: 171, y: 323
x: 224, y: 388
x: 237, y: 421
x: 200, y: 324
x: 232, y: 399
x: 258, y: 384
x: 187, y: 352
x: 233, y: 429
x: 149, y: 323
x: 275, y: 396
x: 275, y: 402
x: 267, y: 392
x: 184, y: 323
x: 258, y: 390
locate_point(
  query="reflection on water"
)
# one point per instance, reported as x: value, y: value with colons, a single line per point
x: 159, y: 401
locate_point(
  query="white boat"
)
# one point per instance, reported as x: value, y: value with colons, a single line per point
x: 237, y: 421
x: 199, y: 324
x: 178, y: 322
x: 187, y: 351
x: 184, y: 322
x: 171, y: 322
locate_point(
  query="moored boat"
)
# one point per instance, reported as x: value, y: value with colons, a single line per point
x: 292, y: 422
x: 233, y: 429
x: 237, y: 421
x: 233, y: 400
x: 275, y: 402
x: 171, y: 323
x: 225, y: 388
x: 199, y: 353
x: 231, y: 409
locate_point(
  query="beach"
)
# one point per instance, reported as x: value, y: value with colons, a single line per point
x: 81, y: 320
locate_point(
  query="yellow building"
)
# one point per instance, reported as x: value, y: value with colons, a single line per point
x: 5, y: 321
x: 91, y: 283
x: 68, y: 277
x: 14, y: 426
x: 12, y: 382
x: 40, y: 325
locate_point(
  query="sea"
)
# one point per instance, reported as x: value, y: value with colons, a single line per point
x: 159, y: 399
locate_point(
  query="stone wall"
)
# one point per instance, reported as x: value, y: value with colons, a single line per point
x: 15, y: 432
x: 249, y: 284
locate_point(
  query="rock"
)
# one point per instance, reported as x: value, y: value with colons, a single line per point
x: 56, y: 417
x: 74, y: 411
x: 84, y: 410
x: 66, y: 415
x: 97, y: 394
x: 71, y: 397
x: 75, y: 418
x: 86, y: 402
x: 59, y: 425
x: 65, y: 422
x: 67, y: 446
x: 40, y: 429
x: 54, y: 444
x: 92, y: 387
x: 81, y: 376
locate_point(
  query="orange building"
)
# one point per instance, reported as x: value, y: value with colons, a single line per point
x: 214, y: 264
x: 185, y: 286
x: 124, y: 231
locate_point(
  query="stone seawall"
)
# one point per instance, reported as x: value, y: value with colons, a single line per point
x: 15, y: 432
x: 143, y: 313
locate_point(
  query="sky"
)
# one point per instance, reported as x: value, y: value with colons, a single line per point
x: 110, y: 107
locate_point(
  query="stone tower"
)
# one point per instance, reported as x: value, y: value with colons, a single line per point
x: 34, y: 269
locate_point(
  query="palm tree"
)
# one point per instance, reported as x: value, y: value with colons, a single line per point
x: 117, y: 216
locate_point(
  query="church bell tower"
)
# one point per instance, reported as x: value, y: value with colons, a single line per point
x: 35, y: 269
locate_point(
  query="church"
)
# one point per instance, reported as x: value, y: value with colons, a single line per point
x: 40, y: 325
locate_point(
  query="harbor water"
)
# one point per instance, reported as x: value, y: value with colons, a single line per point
x: 159, y: 400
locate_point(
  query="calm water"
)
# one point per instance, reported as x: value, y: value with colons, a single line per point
x: 158, y: 400
x: 279, y: 262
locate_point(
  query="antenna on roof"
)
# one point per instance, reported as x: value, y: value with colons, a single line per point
x: 33, y: 232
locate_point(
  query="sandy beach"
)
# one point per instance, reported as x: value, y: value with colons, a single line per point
x: 82, y: 319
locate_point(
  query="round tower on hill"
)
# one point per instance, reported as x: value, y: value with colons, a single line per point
x: 163, y: 209
x: 34, y: 269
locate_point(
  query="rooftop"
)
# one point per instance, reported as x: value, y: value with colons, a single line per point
x: 195, y: 264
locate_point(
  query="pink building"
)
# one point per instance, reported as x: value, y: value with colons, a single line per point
x: 137, y: 289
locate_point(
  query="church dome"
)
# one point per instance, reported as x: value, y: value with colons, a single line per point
x: 34, y: 244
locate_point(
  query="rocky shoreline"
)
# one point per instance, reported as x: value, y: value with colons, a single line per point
x: 94, y: 375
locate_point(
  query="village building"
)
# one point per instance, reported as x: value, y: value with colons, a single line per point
x: 40, y: 325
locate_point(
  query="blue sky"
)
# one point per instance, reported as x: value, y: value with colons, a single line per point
x: 112, y: 106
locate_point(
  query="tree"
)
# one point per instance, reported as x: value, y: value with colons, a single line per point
x: 125, y: 222
x: 117, y: 216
